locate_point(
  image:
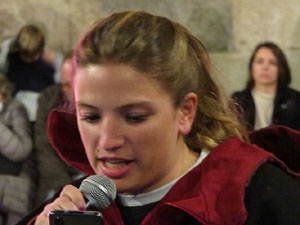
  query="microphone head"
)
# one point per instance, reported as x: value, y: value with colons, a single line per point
x: 99, y: 190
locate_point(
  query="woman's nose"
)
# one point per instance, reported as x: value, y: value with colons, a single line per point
x: 110, y: 136
x: 266, y: 65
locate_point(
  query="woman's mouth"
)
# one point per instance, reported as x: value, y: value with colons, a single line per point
x: 115, y: 164
x: 115, y: 168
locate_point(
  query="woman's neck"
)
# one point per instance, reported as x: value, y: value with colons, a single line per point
x: 157, y: 194
x: 268, y: 89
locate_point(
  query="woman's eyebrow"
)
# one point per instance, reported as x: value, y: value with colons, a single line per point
x: 143, y: 104
x: 85, y: 105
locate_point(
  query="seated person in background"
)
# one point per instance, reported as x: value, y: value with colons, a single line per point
x: 53, y: 171
x: 151, y: 118
x: 26, y: 68
x: 15, y: 147
x: 267, y: 98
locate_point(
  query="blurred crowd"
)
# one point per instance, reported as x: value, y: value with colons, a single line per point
x: 32, y: 82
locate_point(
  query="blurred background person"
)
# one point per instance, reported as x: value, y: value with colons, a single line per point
x: 15, y: 147
x: 53, y: 171
x: 24, y: 65
x: 267, y: 98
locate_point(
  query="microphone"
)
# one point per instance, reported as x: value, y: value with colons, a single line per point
x: 99, y: 192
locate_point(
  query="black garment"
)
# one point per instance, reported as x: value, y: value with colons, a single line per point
x: 34, y: 76
x: 135, y: 215
x: 8, y: 167
x: 271, y: 192
x: 272, y: 197
x: 286, y: 107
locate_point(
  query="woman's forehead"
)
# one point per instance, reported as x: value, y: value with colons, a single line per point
x: 116, y: 80
x: 116, y: 74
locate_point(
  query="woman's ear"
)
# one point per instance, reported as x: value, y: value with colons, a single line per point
x: 187, y: 113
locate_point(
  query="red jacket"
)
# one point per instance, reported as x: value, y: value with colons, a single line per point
x: 212, y: 193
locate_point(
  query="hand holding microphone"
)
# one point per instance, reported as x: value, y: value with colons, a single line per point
x: 96, y: 192
x: 99, y: 192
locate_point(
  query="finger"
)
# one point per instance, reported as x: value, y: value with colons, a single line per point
x: 70, y: 199
x: 74, y: 195
x: 41, y: 220
x: 61, y: 203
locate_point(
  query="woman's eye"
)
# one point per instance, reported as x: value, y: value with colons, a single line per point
x: 273, y: 63
x: 259, y: 61
x: 136, y: 118
x: 90, y: 118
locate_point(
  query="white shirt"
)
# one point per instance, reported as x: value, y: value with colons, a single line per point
x: 264, y: 106
x: 30, y: 100
x: 157, y: 194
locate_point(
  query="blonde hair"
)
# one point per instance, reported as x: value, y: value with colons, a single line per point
x: 30, y: 41
x: 171, y: 54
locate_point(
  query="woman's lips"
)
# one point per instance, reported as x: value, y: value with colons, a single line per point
x: 114, y: 164
x: 115, y: 168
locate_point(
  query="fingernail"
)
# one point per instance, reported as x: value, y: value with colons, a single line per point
x: 82, y: 208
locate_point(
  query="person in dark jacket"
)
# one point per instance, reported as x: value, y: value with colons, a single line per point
x: 150, y: 117
x: 267, y: 98
x: 26, y: 68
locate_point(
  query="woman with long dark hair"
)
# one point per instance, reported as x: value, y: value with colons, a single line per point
x: 268, y: 99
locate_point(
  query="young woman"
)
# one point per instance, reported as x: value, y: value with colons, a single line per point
x: 152, y: 119
x: 267, y: 98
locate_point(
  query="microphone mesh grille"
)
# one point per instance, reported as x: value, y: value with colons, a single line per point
x: 99, y: 190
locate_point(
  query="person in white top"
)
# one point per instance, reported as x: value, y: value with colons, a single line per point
x: 267, y: 98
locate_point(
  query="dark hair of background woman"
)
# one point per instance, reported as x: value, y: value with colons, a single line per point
x: 284, y: 74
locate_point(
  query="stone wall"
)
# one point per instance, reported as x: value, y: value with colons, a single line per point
x: 258, y: 20
x: 254, y: 22
x: 229, y: 28
x: 63, y: 20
